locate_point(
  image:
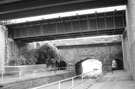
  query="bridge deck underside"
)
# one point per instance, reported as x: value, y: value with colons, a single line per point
x: 11, y: 9
x: 109, y: 23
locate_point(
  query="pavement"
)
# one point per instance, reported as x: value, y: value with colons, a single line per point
x: 119, y: 79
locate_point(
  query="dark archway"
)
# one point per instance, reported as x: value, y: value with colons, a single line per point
x: 119, y: 64
x: 61, y: 65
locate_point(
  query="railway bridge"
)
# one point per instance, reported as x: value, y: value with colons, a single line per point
x: 116, y: 22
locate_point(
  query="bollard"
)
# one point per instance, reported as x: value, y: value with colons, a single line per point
x: 2, y: 76
x: 34, y: 73
x: 59, y: 85
x: 82, y: 81
x: 55, y: 70
x: 20, y: 74
x: 72, y: 82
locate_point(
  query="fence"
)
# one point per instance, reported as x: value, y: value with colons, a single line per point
x: 71, y: 83
x: 11, y: 76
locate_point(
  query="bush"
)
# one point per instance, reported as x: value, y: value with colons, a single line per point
x: 25, y: 57
x: 46, y: 54
x: 17, y: 61
x: 29, y: 56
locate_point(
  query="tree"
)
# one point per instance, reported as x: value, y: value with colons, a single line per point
x: 48, y: 54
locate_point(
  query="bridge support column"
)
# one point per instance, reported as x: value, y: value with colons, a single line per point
x: 2, y: 47
x: 131, y: 36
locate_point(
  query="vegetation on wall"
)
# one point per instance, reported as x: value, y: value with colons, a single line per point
x: 29, y: 56
x: 24, y: 57
x: 46, y: 54
x: 15, y: 61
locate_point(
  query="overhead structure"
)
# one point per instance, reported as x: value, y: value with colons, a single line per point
x: 107, y: 23
x: 11, y: 9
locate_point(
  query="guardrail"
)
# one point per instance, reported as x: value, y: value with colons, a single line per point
x: 18, y: 75
x: 73, y: 86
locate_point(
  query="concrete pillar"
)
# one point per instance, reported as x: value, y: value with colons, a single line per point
x: 125, y: 49
x: 131, y: 35
x: 2, y: 46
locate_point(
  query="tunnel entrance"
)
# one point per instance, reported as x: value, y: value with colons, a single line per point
x: 118, y: 63
x: 90, y: 67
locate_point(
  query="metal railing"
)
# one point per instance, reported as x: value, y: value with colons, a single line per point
x: 20, y: 74
x: 82, y: 78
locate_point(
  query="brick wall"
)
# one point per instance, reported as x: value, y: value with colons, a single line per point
x: 73, y: 54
